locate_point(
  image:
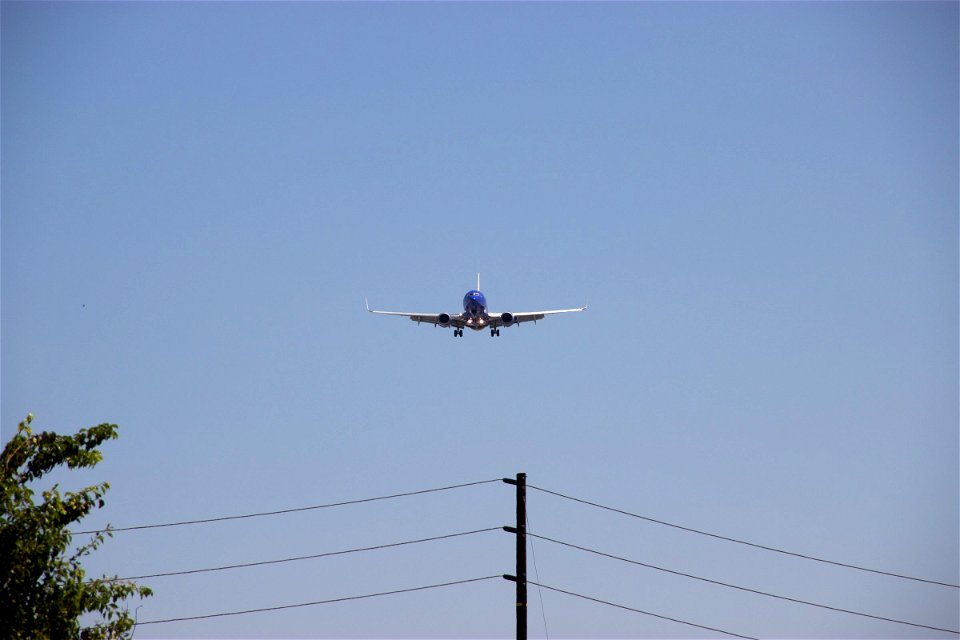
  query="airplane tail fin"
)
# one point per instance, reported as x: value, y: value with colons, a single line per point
x: 478, y: 281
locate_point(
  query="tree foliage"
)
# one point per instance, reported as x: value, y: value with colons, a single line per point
x: 43, y: 587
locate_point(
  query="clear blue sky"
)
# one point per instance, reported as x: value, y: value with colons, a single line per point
x: 759, y: 201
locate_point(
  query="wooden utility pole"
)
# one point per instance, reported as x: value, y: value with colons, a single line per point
x: 521, y: 533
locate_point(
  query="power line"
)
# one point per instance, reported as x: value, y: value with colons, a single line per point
x: 318, y: 602
x: 744, y: 542
x: 733, y: 586
x: 647, y: 613
x: 309, y: 557
x: 282, y: 511
x: 536, y: 572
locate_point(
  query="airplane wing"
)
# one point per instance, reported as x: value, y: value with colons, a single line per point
x: 529, y: 316
x: 428, y: 318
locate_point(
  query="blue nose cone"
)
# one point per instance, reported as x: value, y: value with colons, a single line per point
x: 474, y: 303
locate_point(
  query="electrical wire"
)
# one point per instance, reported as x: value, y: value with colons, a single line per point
x: 309, y: 557
x: 282, y: 511
x: 318, y: 602
x: 647, y: 613
x: 733, y: 586
x: 744, y: 542
x: 536, y: 572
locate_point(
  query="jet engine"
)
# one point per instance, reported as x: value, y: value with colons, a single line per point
x: 506, y: 319
x: 443, y: 319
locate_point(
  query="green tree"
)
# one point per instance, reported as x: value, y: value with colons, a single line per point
x: 43, y: 588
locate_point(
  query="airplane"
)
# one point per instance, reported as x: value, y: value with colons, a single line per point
x: 475, y: 315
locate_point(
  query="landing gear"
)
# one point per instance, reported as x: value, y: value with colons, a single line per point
x: 458, y: 333
x: 494, y: 332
